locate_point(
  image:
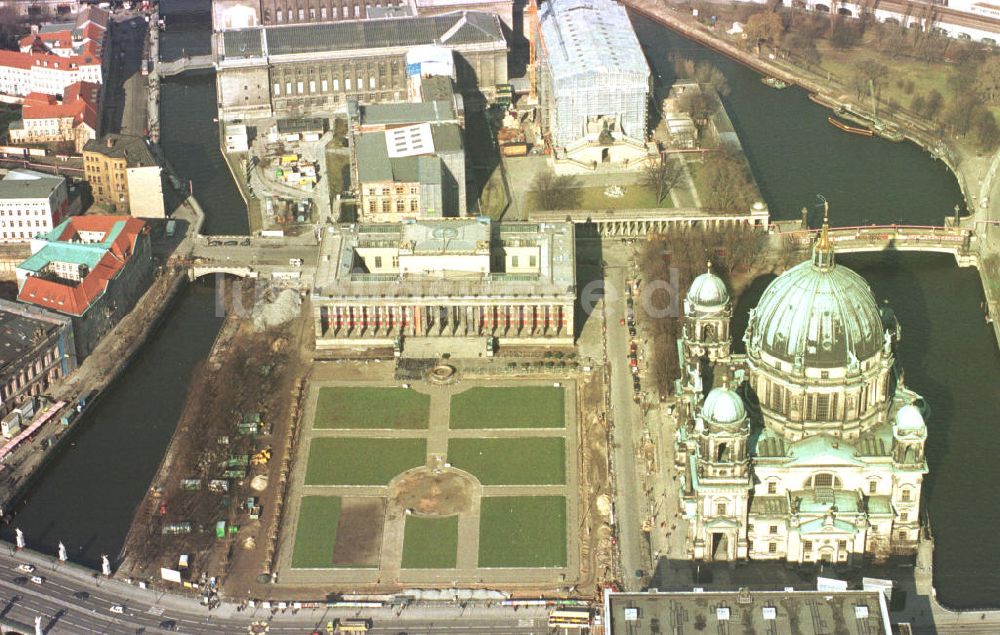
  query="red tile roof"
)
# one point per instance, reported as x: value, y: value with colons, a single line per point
x: 76, y: 299
x: 16, y: 59
x: 79, y: 102
x: 124, y: 242
x: 27, y: 60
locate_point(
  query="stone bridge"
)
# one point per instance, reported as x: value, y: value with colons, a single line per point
x: 957, y: 241
x: 290, y: 259
x: 189, y: 63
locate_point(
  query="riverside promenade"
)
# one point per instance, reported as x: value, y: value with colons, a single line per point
x: 976, y: 176
x: 975, y: 173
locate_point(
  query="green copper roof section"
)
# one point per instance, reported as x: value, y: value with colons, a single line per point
x: 817, y: 317
x: 818, y: 526
x: 812, y: 502
x: 88, y: 254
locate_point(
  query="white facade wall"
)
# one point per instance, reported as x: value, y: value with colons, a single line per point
x: 50, y: 80
x: 23, y: 218
x: 145, y: 192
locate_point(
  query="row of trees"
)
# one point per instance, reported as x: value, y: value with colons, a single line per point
x: 676, y: 258
x: 725, y: 181
x: 973, y: 81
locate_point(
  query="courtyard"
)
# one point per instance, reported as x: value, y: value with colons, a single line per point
x: 463, y: 483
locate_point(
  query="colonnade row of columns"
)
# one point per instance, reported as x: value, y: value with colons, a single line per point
x: 642, y: 227
x: 502, y: 320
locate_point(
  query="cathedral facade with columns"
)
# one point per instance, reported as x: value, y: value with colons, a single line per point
x: 807, y: 447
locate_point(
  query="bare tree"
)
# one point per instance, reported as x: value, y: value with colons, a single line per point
x: 869, y: 74
x: 762, y: 27
x: 552, y: 192
x: 725, y: 182
x: 700, y: 106
x: 660, y: 176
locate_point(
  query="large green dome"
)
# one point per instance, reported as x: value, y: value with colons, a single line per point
x: 817, y: 315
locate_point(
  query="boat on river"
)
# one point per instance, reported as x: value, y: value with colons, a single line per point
x: 774, y: 82
x: 865, y: 132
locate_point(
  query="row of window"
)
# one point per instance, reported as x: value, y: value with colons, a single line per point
x: 36, y: 209
x: 386, y: 206
x: 386, y: 191
x: 828, y: 480
x: 324, y: 86
x: 23, y: 223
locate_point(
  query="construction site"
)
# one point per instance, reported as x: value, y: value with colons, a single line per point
x: 211, y: 511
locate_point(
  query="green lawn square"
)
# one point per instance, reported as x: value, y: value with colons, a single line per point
x: 316, y: 532
x: 430, y: 543
x: 518, y: 461
x: 353, y: 461
x: 509, y: 407
x: 371, y: 408
x: 522, y: 531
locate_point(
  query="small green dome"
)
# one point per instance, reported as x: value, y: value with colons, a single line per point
x: 909, y: 419
x: 818, y: 316
x: 723, y: 406
x: 708, y: 293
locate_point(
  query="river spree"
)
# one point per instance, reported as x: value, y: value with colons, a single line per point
x: 88, y: 495
x: 948, y: 352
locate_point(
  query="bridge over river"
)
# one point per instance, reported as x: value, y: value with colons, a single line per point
x: 183, y: 64
x: 291, y: 259
x: 960, y: 242
x: 295, y: 258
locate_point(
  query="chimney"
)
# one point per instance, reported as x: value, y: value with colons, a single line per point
x: 110, y: 141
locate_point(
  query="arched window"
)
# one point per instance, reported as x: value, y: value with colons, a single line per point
x: 823, y: 480
x: 722, y: 452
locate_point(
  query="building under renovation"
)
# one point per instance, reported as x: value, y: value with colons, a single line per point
x: 292, y: 70
x: 378, y: 284
x: 593, y: 79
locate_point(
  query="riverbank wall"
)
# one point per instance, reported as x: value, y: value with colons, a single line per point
x: 99, y: 371
x: 828, y: 94
x: 917, y: 131
x: 823, y: 91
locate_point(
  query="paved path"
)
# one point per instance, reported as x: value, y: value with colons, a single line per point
x: 389, y: 573
x: 627, y: 425
x: 74, y: 601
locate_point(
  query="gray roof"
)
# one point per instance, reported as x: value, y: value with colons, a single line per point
x: 19, y: 326
x: 451, y: 29
x: 374, y: 163
x: 129, y: 147
x: 308, y: 124
x: 452, y: 236
x: 447, y: 138
x: 437, y: 88
x: 407, y: 113
x: 774, y: 612
x: 28, y: 184
x: 590, y: 36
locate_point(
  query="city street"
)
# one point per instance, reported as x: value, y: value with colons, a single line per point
x: 124, y: 108
x: 627, y: 420
x: 74, y: 600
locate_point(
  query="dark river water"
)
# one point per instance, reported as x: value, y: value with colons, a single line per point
x: 88, y: 495
x: 948, y: 352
